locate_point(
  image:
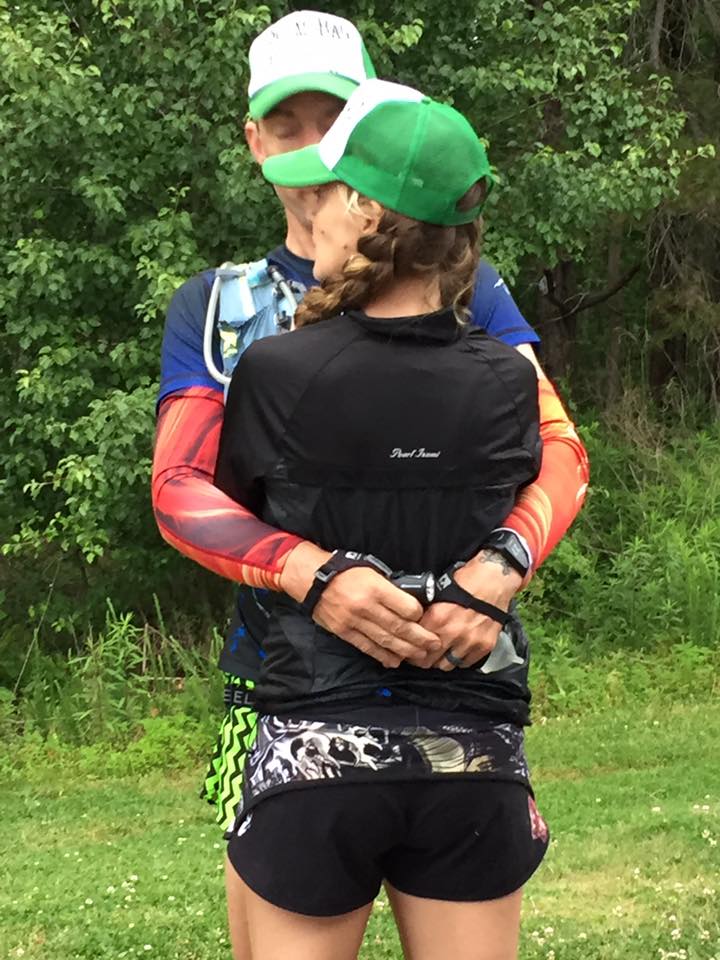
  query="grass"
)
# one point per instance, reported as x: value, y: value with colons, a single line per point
x: 132, y: 867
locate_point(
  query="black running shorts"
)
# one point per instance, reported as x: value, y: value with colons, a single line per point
x: 324, y: 850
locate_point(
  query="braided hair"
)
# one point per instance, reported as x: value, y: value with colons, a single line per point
x: 400, y: 248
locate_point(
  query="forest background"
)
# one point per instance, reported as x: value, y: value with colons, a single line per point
x: 123, y: 171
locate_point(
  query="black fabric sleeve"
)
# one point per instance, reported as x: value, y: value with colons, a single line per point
x: 263, y: 393
x: 244, y: 446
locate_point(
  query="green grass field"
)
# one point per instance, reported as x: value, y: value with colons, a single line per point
x: 133, y: 868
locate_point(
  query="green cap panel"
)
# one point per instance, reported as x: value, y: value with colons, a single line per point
x: 392, y: 144
x: 269, y: 97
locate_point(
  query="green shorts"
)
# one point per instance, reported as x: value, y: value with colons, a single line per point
x: 223, y: 780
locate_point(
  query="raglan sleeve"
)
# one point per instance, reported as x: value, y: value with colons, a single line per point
x: 182, y: 365
x: 493, y: 309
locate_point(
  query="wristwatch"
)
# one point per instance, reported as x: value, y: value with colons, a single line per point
x: 512, y: 547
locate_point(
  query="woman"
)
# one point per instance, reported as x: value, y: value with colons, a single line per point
x: 386, y: 429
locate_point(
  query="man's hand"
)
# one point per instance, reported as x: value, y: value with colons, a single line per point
x: 363, y: 608
x: 469, y: 635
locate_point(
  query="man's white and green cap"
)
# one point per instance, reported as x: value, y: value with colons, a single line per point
x: 394, y: 145
x: 304, y: 51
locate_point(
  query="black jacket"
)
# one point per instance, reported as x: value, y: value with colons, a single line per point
x: 408, y: 439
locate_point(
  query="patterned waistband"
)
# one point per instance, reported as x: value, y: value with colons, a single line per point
x: 238, y: 693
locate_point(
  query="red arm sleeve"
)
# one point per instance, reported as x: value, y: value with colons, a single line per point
x: 546, y: 508
x: 192, y: 514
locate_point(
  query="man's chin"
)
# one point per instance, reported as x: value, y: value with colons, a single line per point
x: 301, y: 203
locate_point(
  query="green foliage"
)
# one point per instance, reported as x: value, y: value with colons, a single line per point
x: 122, y: 678
x: 124, y: 170
x: 580, y: 131
x: 641, y: 569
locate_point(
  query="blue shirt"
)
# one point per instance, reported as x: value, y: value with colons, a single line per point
x: 182, y: 365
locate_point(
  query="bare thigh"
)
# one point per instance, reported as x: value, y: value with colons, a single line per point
x: 440, y: 929
x: 237, y: 914
x: 277, y: 934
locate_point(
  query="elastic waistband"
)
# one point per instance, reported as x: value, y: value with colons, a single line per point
x: 238, y: 695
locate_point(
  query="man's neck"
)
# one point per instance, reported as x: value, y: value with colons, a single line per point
x: 298, y: 238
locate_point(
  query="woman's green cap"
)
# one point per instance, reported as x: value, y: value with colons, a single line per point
x: 396, y: 146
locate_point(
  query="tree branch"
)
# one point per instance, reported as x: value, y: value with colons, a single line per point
x: 586, y: 301
x: 655, y: 34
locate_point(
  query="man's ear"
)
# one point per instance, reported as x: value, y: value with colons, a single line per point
x: 254, y: 141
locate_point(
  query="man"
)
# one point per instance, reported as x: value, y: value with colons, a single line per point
x: 301, y: 70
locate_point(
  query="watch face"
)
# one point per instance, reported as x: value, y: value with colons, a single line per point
x: 516, y: 550
x: 508, y: 543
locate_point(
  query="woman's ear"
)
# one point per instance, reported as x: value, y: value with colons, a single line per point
x: 254, y: 141
x: 371, y: 214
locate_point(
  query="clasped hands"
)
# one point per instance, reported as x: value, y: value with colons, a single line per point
x: 367, y: 611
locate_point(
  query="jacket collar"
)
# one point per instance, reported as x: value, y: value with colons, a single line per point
x: 438, y: 327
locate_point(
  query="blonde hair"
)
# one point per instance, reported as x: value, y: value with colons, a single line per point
x: 401, y: 247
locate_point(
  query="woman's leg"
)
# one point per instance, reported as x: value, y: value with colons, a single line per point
x: 237, y: 914
x: 442, y: 929
x: 277, y: 934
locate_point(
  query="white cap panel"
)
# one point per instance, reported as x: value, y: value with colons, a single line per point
x: 369, y: 95
x: 306, y: 42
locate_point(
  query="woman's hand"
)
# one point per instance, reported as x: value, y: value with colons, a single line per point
x: 363, y: 608
x: 469, y: 635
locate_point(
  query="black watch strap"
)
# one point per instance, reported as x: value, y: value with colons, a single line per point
x: 510, y: 547
x: 451, y: 592
x: 340, y: 561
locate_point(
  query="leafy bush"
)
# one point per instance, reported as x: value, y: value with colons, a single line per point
x: 124, y: 171
x: 641, y: 569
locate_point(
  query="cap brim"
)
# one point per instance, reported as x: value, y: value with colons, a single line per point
x: 274, y: 93
x: 299, y: 168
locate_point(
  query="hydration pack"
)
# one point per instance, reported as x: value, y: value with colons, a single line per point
x: 248, y: 301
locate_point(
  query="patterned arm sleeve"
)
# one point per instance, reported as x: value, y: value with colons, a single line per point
x: 545, y: 509
x: 192, y: 514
